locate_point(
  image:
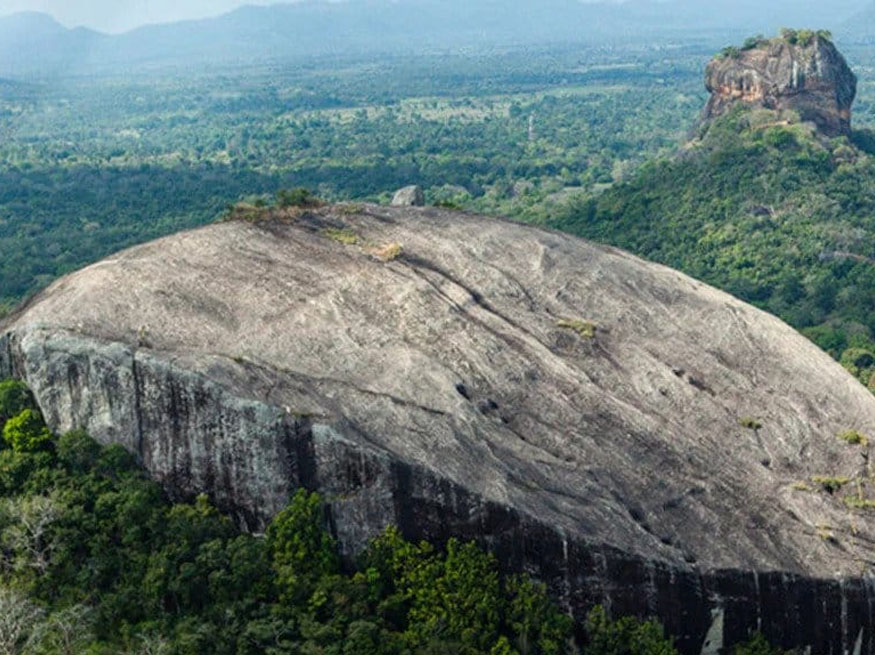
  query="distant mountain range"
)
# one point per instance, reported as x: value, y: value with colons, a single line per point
x: 35, y: 44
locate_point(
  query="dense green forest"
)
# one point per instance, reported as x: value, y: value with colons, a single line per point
x: 763, y: 207
x: 88, y: 166
x: 94, y: 559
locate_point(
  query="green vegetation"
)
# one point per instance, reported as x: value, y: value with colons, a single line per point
x: 750, y: 423
x: 754, y: 42
x: 762, y: 207
x: 296, y: 198
x: 15, y: 397
x: 96, y: 560
x: 804, y: 37
x: 830, y: 484
x: 854, y: 438
x: 586, y: 329
x: 758, y: 645
x: 92, y: 550
x: 625, y: 637
x: 344, y: 236
x: 860, y: 361
x: 90, y: 166
x: 855, y: 502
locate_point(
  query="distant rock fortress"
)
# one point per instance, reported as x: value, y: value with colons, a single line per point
x: 799, y: 70
x: 629, y: 435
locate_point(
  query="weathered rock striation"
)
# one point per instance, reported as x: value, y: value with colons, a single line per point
x: 780, y: 74
x: 627, y: 434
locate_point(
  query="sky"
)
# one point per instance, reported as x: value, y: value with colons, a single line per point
x: 116, y: 16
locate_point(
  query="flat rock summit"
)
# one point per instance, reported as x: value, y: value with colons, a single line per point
x: 627, y: 434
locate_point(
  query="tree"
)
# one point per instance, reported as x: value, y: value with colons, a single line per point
x: 456, y: 598
x: 29, y: 536
x: 15, y: 397
x: 301, y: 549
x: 150, y: 643
x: 758, y: 645
x: 26, y: 432
x: 627, y: 636
x: 299, y: 197
x: 65, y: 632
x: 789, y: 35
x: 18, y: 617
x: 78, y: 451
x: 536, y: 621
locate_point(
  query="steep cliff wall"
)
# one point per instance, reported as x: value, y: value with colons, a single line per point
x: 812, y: 79
x: 627, y: 434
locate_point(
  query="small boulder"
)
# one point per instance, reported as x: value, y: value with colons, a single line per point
x: 409, y: 196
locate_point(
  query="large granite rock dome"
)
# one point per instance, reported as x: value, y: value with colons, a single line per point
x: 628, y: 434
x: 811, y: 78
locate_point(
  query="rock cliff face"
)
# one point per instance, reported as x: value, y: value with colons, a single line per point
x: 627, y: 434
x: 812, y: 79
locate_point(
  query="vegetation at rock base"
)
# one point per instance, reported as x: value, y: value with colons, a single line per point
x: 758, y: 645
x: 625, y: 637
x: 94, y: 559
x: 87, y: 540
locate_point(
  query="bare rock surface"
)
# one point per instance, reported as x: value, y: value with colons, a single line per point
x: 628, y: 434
x: 409, y: 196
x: 812, y: 79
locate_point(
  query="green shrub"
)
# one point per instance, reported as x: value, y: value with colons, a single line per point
x: 855, y: 502
x: 789, y: 35
x: 830, y: 484
x: 626, y: 636
x: 15, y: 397
x: 859, y: 362
x: 854, y: 438
x: 27, y: 432
x: 449, y: 204
x: 758, y: 645
x: 753, y: 42
x: 78, y: 452
x: 750, y: 423
x: 299, y: 197
x: 302, y: 550
x: 805, y: 37
x: 586, y: 329
x: 347, y: 237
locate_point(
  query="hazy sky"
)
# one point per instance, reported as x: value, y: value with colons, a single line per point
x: 122, y: 15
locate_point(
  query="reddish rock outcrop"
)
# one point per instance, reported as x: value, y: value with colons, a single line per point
x: 810, y: 77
